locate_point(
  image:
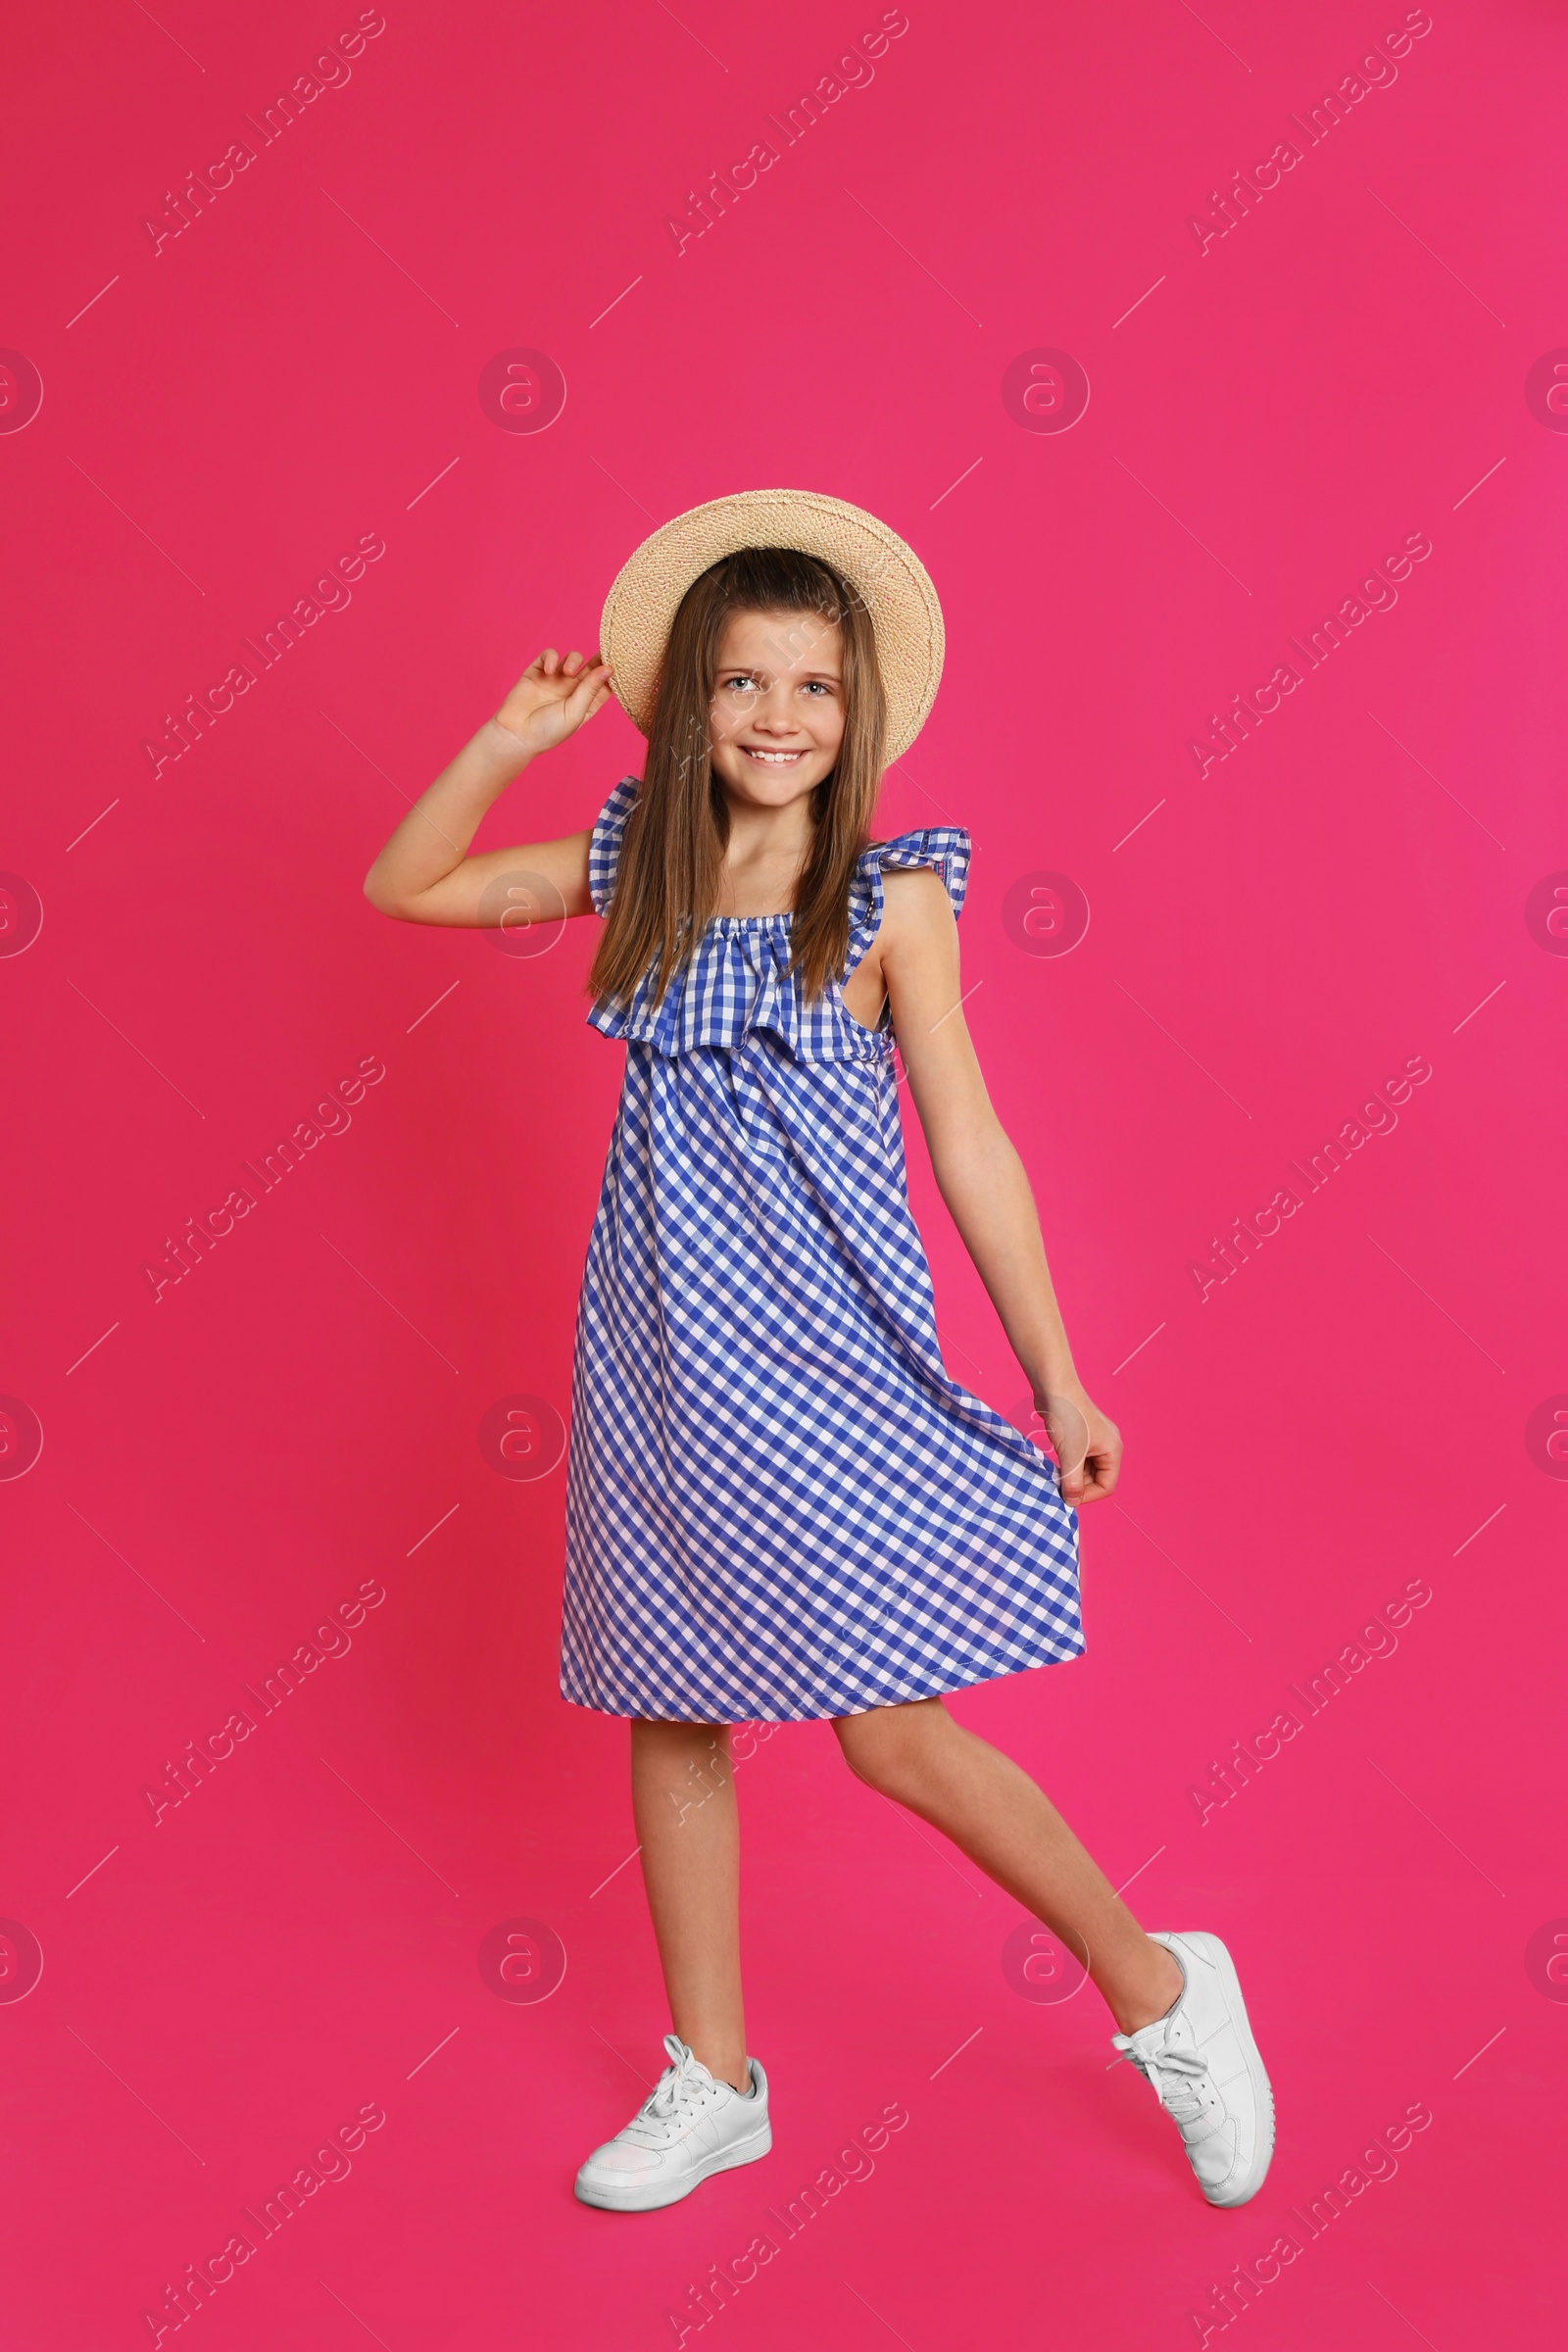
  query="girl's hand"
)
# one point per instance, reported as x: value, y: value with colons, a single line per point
x: 1087, y: 1445
x: 552, y: 698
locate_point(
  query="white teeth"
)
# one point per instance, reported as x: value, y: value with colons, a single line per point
x: 775, y: 759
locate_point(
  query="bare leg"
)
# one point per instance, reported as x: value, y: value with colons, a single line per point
x: 993, y: 1810
x: 683, y: 1800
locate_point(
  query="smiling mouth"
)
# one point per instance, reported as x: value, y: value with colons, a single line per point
x: 771, y: 759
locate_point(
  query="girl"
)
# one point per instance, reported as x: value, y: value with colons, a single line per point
x: 778, y: 1506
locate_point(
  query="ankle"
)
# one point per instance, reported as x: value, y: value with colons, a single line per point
x: 736, y: 2072
x: 1159, y: 1990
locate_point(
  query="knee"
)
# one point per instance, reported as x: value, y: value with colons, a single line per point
x: 857, y: 1750
x: 887, y: 1747
x: 676, y: 1751
x: 669, y: 1735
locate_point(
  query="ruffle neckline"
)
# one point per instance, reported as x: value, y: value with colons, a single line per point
x: 738, y: 983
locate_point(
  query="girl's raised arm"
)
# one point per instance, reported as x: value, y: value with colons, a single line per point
x: 424, y: 874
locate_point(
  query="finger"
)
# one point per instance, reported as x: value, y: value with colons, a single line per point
x: 1088, y: 1478
x: 572, y: 663
x: 1103, y: 1481
x: 546, y: 662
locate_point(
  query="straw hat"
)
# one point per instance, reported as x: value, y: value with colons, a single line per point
x: 887, y: 576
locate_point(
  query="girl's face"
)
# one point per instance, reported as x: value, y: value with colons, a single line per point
x: 777, y: 717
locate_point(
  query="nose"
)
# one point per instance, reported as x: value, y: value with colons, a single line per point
x: 772, y: 713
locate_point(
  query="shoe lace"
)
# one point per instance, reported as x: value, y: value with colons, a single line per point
x: 1176, y: 2075
x: 678, y: 2091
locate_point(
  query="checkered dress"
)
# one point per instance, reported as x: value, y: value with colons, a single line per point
x: 778, y: 1506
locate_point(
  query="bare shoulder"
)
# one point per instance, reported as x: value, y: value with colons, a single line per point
x: 917, y: 919
x: 914, y: 899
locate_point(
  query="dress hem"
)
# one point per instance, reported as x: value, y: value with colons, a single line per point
x: 927, y: 1689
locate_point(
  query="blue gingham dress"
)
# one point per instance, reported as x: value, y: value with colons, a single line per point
x: 779, y: 1504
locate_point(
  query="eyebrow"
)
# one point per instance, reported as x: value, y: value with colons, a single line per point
x: 748, y: 669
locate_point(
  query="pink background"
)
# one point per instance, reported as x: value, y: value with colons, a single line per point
x: 1348, y: 1414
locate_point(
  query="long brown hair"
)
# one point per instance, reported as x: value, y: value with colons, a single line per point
x: 666, y: 887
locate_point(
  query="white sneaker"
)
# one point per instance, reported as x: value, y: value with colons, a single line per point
x: 1204, y: 2064
x: 689, y: 2127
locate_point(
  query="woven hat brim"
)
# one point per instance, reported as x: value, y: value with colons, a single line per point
x: 883, y: 570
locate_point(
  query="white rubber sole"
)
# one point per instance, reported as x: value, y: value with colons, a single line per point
x: 1252, y: 2180
x: 654, y: 2195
